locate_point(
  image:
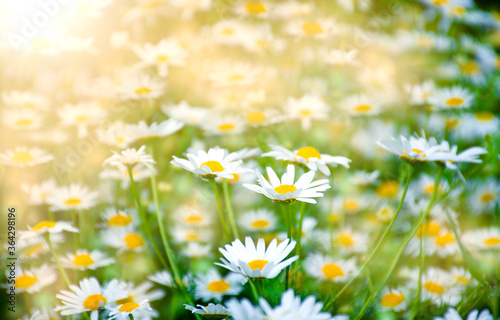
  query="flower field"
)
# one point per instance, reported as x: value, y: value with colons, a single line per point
x: 251, y: 160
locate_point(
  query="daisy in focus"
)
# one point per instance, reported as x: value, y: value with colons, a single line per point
x: 131, y: 157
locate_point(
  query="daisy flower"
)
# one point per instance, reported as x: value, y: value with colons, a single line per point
x: 257, y: 261
x: 162, y: 277
x: 477, y: 125
x: 349, y: 241
x: 253, y: 8
x: 485, y: 196
x: 141, y: 87
x: 451, y: 98
x: 192, y: 216
x: 116, y: 218
x: 25, y: 157
x: 233, y: 75
x: 393, y: 299
x: 167, y: 52
x: 364, y: 178
x: 22, y: 119
x: 444, y: 244
x: 387, y: 189
x: 217, y: 162
x: 73, y: 197
x: 120, y: 173
x: 291, y: 307
x: 213, y: 286
x: 187, y: 234
x: 257, y: 220
x: 197, y: 250
x: 51, y: 227
x: 85, y: 260
x: 81, y: 115
x: 307, y: 108
x: 223, y: 125
x: 482, y: 239
x: 420, y: 93
x: 123, y: 311
x: 25, y: 99
x: 328, y: 269
x: 440, y: 288
x: 124, y: 240
x: 117, y: 134
x: 89, y: 296
x: 313, y: 28
x: 287, y: 190
x: 142, y: 131
x: 34, y: 279
x: 293, y: 9
x: 309, y: 157
x: 244, y: 310
x: 361, y: 105
x: 339, y: 57
x: 186, y: 113
x: 452, y: 314
x: 212, y: 311
x: 130, y: 158
x: 38, y: 193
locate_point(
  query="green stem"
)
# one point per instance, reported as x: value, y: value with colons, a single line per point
x: 61, y: 270
x: 229, y: 207
x: 221, y: 215
x: 289, y: 236
x: 75, y: 235
x: 145, y: 227
x: 380, y: 243
x: 131, y: 316
x: 254, y: 290
x: 403, y: 245
x: 299, y: 231
x: 416, y: 306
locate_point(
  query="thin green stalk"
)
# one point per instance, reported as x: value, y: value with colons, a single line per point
x: 254, y: 290
x: 299, y: 231
x: 76, y: 237
x: 416, y: 306
x: 144, y: 225
x: 131, y: 316
x: 380, y: 243
x: 403, y: 245
x: 61, y: 270
x: 286, y: 211
x: 229, y: 206
x: 221, y: 215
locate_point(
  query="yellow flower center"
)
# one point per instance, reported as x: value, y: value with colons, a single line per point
x: 82, y: 260
x: 462, y: 279
x: 72, y: 201
x: 215, y: 166
x: 487, y: 197
x: 392, y: 300
x: 440, y: 2
x: 227, y: 31
x: 93, y: 302
x: 257, y: 264
x: 24, y: 122
x: 346, y: 239
x: 305, y: 112
x: 430, y: 229
x: 492, y: 241
x: 22, y: 156
x: 256, y: 117
x: 236, y: 178
x: 470, y: 67
x: 236, y: 77
x: 133, y: 240
x: 363, y: 108
x: 285, y: 188
x: 192, y: 236
x: 161, y: 58
x: 129, y: 298
x: 255, y: 7
x: 81, y: 118
x: 454, y: 102
x: 29, y: 105
x: 143, y: 91
x: 312, y: 28
x: 44, y: 224
x: 388, y: 189
x: 218, y: 286
x: 331, y: 270
x: 259, y: 224
x: 433, y: 287
x: 308, y: 152
x: 25, y: 281
x: 351, y: 205
x: 129, y: 306
x: 33, y: 250
x: 445, y: 239
x: 119, y: 220
x: 226, y: 127
x: 193, y: 219
x: 484, y: 116
x: 459, y: 11
x: 429, y: 189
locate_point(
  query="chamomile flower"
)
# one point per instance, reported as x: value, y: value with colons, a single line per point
x: 190, y: 234
x: 141, y: 87
x: 477, y: 125
x: 196, y: 250
x: 350, y: 241
x: 38, y: 193
x: 22, y: 119
x: 361, y: 105
x: 52, y: 227
x: 420, y: 93
x: 485, y: 196
x: 339, y: 57
x: 244, y: 310
x: 309, y: 157
x: 452, y: 314
x: 482, y: 239
x: 393, y: 299
x: 260, y: 220
x: 142, y: 131
x: 444, y: 244
x: 451, y: 98
x: 216, y: 163
x: 233, y: 75
x: 162, y: 277
x: 364, y: 178
x: 212, y: 311
x: 25, y: 99
x: 307, y: 108
x: 253, y: 8
x: 25, y: 157
x: 88, y: 296
x: 223, y: 125
x: 122, y: 311
x: 439, y: 287
x: 73, y: 197
x: 34, y: 279
x: 286, y: 190
x: 167, y: 52
x: 130, y: 158
x: 415, y: 150
x: 85, y: 260
x: 81, y: 115
x: 257, y: 261
x: 291, y: 307
x: 186, y: 113
x: 191, y: 216
x: 124, y: 240
x: 213, y: 286
x: 117, y: 218
x: 328, y: 269
x: 321, y: 29
x: 293, y: 9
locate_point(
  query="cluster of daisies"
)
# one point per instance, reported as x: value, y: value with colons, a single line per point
x: 255, y: 160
